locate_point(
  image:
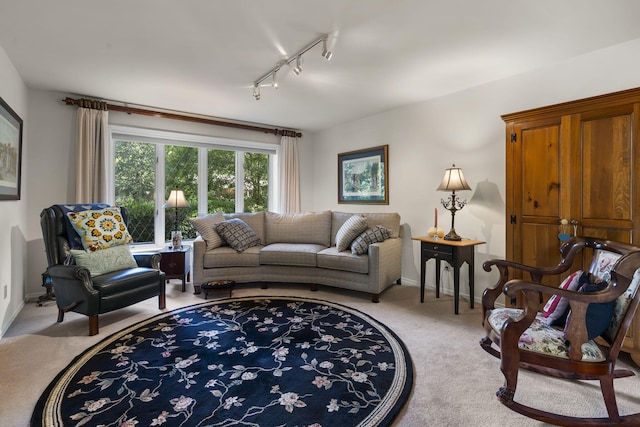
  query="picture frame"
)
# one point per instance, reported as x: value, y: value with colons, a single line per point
x: 363, y: 176
x: 10, y: 152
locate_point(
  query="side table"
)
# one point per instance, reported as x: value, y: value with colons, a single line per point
x: 455, y: 253
x: 176, y: 263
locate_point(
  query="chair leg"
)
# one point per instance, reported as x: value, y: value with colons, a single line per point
x: 60, y: 315
x: 93, y: 325
x: 606, y: 384
x: 162, y: 301
x: 509, y: 365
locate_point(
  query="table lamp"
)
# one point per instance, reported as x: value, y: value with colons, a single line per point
x: 176, y: 200
x: 453, y: 181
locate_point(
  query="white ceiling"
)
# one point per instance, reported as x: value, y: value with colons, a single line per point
x: 202, y: 56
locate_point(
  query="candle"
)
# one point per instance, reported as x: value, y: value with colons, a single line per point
x: 436, y: 217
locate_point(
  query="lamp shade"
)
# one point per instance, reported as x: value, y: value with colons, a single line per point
x: 453, y: 180
x: 176, y: 200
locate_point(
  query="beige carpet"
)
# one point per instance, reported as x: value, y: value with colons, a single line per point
x: 455, y: 380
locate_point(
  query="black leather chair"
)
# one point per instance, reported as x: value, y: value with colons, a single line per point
x: 75, y: 289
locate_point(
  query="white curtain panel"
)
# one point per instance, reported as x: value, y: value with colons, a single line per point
x: 91, y: 156
x: 289, y: 175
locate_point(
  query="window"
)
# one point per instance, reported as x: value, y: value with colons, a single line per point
x: 149, y: 164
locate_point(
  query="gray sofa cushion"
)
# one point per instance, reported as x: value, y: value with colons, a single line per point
x: 309, y: 227
x: 205, y: 225
x: 225, y: 256
x: 255, y: 220
x: 299, y: 254
x: 345, y: 261
x: 238, y: 234
x: 389, y: 220
x: 349, y: 231
x: 361, y: 243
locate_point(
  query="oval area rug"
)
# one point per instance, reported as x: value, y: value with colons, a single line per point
x: 250, y: 361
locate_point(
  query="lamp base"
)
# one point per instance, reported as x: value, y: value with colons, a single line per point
x: 176, y: 239
x: 452, y: 235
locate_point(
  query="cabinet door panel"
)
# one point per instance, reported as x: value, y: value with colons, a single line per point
x: 606, y: 168
x: 541, y: 175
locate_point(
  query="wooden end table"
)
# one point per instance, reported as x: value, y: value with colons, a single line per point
x: 455, y: 253
x: 176, y: 263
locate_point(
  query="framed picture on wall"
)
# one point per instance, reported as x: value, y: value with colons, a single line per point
x: 10, y: 152
x: 363, y: 176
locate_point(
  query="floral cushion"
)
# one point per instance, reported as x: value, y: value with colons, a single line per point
x: 555, y: 308
x: 100, y: 228
x: 541, y: 338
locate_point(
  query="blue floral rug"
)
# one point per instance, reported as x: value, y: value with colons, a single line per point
x: 255, y: 361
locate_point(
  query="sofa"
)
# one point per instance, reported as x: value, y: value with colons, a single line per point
x: 311, y: 247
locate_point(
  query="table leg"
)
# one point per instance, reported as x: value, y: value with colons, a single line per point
x: 471, y: 282
x: 437, y: 277
x: 456, y: 287
x: 422, y: 274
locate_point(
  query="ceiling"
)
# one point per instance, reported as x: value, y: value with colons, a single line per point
x: 202, y: 56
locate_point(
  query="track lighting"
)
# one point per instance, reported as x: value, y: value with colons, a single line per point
x: 326, y: 53
x: 298, y: 68
x: 297, y: 57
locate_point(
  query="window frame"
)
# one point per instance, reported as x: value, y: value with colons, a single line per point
x: 161, y: 138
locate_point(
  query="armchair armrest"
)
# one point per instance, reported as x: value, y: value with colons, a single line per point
x: 73, y: 286
x: 151, y: 260
x: 576, y: 333
x: 568, y: 252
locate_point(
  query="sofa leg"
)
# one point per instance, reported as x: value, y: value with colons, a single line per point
x: 375, y: 298
x: 399, y: 281
x: 93, y: 325
x: 60, y: 315
x: 162, y: 301
x: 263, y: 285
x: 314, y: 287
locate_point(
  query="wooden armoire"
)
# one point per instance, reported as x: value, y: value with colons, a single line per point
x: 579, y: 161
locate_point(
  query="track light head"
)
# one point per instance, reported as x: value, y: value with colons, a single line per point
x: 256, y: 92
x: 326, y: 53
x: 275, y: 79
x: 298, y: 68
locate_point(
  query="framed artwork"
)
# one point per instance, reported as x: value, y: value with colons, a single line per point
x: 363, y: 176
x: 10, y: 152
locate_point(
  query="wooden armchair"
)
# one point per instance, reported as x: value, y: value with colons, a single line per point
x: 521, y: 338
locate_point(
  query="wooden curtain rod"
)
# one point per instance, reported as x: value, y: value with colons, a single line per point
x: 87, y: 103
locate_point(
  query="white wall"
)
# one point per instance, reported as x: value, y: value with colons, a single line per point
x: 464, y: 128
x: 13, y: 224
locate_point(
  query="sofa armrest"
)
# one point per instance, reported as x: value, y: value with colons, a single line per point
x: 385, y: 262
x: 199, y: 248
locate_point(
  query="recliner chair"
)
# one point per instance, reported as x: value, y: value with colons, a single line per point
x: 76, y: 290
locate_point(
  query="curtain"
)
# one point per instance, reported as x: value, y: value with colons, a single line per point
x: 91, y: 152
x: 289, y: 175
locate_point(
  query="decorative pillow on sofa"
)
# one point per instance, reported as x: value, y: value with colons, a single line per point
x: 100, y: 228
x: 106, y: 260
x: 205, y: 225
x: 349, y: 231
x: 237, y: 234
x: 376, y: 234
x: 554, y: 310
x: 598, y: 316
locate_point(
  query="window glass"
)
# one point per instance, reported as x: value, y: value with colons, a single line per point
x: 148, y: 168
x: 135, y: 187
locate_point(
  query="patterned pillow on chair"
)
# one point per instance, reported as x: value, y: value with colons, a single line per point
x: 100, y: 228
x: 555, y: 309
